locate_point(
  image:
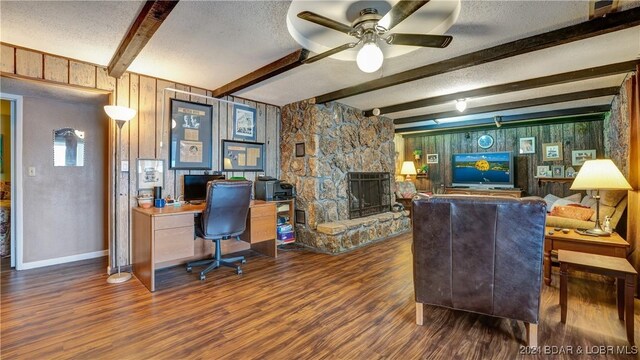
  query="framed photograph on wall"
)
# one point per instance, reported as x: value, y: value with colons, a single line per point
x: 578, y: 157
x: 190, y: 135
x: 150, y: 173
x: 432, y: 158
x: 244, y: 123
x: 552, y: 151
x: 542, y: 171
x: 242, y: 156
x: 557, y: 171
x: 527, y: 145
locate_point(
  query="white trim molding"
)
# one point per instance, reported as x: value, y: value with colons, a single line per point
x: 64, y: 259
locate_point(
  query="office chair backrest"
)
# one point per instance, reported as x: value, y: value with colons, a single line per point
x: 225, y: 213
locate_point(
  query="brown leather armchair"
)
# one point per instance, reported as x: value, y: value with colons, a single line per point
x: 479, y: 254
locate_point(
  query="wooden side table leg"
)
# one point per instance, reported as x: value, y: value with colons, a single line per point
x: 629, y: 290
x: 532, y: 334
x: 547, y: 267
x: 419, y: 313
x: 563, y: 292
x: 620, y: 297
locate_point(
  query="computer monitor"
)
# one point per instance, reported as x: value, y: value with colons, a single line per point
x: 195, y: 186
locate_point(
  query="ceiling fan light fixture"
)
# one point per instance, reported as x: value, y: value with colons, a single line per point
x: 461, y: 105
x: 369, y: 57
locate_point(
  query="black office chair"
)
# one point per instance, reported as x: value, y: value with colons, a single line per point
x: 224, y: 217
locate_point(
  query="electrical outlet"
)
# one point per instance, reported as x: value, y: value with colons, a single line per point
x: 32, y: 171
x: 124, y: 165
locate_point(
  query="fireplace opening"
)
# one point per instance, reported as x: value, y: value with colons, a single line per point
x: 369, y: 193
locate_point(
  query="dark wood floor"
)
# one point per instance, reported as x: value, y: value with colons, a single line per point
x: 301, y: 306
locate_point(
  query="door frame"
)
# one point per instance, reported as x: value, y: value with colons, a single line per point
x: 16, y: 179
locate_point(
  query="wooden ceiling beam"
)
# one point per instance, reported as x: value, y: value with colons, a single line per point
x: 599, y: 26
x: 151, y: 16
x: 546, y: 100
x: 571, y: 76
x: 589, y: 113
x: 268, y: 71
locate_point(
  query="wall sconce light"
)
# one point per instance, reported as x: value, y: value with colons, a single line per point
x: 461, y: 104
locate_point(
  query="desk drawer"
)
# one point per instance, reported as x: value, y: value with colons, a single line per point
x: 173, y: 221
x: 173, y: 244
x: 263, y: 210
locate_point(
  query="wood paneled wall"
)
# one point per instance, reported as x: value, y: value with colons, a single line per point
x: 141, y: 137
x: 574, y: 136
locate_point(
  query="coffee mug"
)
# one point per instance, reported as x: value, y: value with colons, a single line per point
x: 160, y: 203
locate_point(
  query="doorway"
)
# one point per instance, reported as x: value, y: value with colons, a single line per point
x: 10, y: 110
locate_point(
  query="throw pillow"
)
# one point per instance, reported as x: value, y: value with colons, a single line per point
x: 550, y: 199
x: 572, y: 212
x: 574, y: 197
x: 605, y: 210
x: 562, y: 202
x: 610, y: 197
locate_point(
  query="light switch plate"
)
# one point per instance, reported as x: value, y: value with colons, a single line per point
x: 124, y: 165
x: 32, y: 171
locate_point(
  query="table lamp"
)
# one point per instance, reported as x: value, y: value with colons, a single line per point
x: 408, y: 169
x: 599, y: 175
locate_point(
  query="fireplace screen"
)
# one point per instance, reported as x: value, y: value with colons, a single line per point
x: 369, y: 194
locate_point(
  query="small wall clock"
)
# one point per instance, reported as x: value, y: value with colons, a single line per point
x: 485, y: 141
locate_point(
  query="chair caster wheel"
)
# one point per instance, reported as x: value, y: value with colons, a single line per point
x: 239, y: 271
x: 202, y: 277
x: 189, y: 269
x: 244, y: 261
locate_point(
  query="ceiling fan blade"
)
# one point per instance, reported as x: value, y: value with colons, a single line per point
x: 399, y: 12
x: 325, y: 21
x: 435, y: 41
x: 329, y: 53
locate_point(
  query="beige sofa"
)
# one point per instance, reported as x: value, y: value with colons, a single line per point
x: 607, y: 200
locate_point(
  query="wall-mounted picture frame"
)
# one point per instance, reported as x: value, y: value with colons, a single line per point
x: 432, y: 158
x: 244, y: 123
x: 242, y: 156
x: 552, y: 151
x: 527, y: 145
x: 190, y: 136
x: 557, y: 171
x: 578, y: 157
x: 299, y: 149
x: 150, y: 173
x: 542, y: 171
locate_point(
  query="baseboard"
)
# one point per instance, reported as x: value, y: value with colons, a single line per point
x: 64, y: 259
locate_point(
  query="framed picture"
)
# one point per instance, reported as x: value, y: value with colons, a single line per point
x: 557, y: 171
x: 432, y: 158
x: 542, y: 171
x: 299, y: 149
x: 242, y: 156
x: 244, y: 122
x: 527, y: 145
x: 551, y: 151
x: 578, y: 157
x: 150, y: 173
x: 190, y: 137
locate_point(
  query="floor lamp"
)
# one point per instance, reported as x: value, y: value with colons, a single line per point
x: 120, y: 115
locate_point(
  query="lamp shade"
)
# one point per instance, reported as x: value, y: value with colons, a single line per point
x: 408, y: 168
x: 121, y: 113
x: 600, y: 175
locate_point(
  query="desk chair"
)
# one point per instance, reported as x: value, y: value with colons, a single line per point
x: 224, y: 217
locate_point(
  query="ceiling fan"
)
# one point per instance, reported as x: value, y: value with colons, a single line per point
x: 371, y: 27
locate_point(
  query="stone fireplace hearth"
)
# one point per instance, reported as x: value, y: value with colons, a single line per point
x: 320, y: 146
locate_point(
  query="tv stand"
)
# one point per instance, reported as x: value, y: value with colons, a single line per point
x: 515, y: 193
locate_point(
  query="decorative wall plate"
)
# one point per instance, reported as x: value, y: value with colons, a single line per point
x: 485, y: 141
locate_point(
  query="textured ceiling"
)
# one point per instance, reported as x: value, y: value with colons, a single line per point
x: 210, y: 43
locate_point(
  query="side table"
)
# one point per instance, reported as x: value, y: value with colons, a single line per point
x: 619, y: 268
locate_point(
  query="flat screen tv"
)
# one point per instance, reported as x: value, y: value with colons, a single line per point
x: 195, y: 186
x: 483, y: 170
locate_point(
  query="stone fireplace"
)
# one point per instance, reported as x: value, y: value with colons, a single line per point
x: 322, y: 147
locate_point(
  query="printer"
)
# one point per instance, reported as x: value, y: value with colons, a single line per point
x: 268, y: 188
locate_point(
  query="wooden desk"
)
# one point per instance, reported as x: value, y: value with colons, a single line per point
x: 163, y: 237
x: 612, y: 245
